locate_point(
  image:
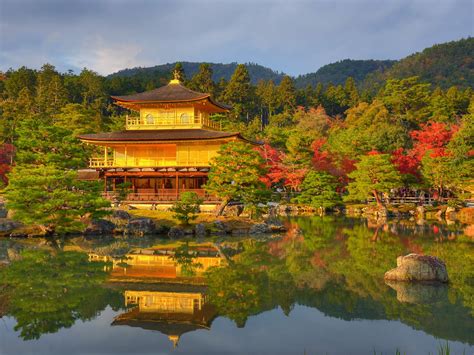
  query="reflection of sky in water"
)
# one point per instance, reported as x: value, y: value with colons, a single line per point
x: 306, y: 329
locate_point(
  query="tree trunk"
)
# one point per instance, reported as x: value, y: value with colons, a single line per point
x: 222, y: 206
x: 377, y: 198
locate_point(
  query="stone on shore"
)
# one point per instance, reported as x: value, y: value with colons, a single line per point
x: 140, y: 227
x: 99, y: 227
x: 415, y: 267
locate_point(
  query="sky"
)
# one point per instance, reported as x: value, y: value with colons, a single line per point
x: 290, y: 36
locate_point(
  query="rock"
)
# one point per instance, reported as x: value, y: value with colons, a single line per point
x: 200, y: 230
x: 99, y: 227
x: 259, y: 228
x: 415, y: 267
x: 220, y: 227
x: 233, y: 210
x: 121, y: 214
x: 140, y: 227
x: 417, y: 293
x: 176, y: 233
x: 7, y: 226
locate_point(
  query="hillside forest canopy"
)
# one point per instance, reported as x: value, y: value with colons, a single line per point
x: 403, y: 133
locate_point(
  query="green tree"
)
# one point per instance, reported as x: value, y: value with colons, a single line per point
x: 374, y: 174
x: 202, y: 81
x: 408, y: 99
x: 238, y: 92
x: 286, y: 92
x: 319, y: 190
x: 52, y: 198
x: 187, y: 207
x: 235, y: 175
x: 51, y: 94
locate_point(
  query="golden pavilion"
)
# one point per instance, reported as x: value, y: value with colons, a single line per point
x: 166, y: 149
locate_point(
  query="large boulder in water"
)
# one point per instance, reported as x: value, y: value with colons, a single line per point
x: 415, y: 267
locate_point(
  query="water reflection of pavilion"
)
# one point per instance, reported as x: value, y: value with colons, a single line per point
x: 172, y: 313
x: 159, y: 265
x: 159, y: 294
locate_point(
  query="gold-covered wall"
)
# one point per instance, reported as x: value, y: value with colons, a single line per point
x: 180, y: 154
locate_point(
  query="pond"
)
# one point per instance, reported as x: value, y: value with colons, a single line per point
x: 318, y: 289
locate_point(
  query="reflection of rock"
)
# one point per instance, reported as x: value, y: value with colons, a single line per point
x: 415, y: 267
x: 419, y: 293
x: 7, y: 226
x: 200, y: 230
x: 259, y: 228
x: 176, y: 232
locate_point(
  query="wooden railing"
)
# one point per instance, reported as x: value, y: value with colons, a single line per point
x: 100, y: 163
x: 166, y: 122
x: 162, y: 195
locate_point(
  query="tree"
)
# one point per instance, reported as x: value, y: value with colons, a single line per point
x: 187, y: 207
x: 319, y: 190
x: 236, y: 174
x: 52, y: 198
x: 374, y: 173
x: 202, y: 81
x: 408, y: 99
x: 287, y: 94
x: 238, y: 92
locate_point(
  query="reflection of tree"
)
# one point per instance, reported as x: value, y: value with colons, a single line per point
x: 185, y: 257
x: 254, y: 282
x: 338, y: 267
x: 48, y: 292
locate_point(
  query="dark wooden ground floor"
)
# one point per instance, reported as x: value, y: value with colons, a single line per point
x: 164, y: 188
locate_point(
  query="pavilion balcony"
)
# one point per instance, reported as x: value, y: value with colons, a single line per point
x: 171, y: 122
x: 160, y: 196
x: 100, y: 163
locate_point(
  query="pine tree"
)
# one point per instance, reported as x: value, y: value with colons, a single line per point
x: 319, y: 190
x: 374, y: 173
x: 238, y: 93
x: 202, y: 81
x: 287, y: 94
x: 236, y: 174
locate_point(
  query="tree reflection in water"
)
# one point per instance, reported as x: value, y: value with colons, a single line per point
x: 335, y: 265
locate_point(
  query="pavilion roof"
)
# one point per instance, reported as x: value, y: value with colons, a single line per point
x: 162, y: 135
x: 172, y: 93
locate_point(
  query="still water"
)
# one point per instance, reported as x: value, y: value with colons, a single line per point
x: 318, y: 289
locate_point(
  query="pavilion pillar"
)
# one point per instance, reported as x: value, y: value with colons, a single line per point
x: 177, y: 186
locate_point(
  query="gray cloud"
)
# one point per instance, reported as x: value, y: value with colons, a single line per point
x: 291, y: 36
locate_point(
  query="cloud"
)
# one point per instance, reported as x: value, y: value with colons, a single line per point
x: 291, y: 36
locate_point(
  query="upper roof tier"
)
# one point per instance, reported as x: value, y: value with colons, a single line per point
x: 172, y: 93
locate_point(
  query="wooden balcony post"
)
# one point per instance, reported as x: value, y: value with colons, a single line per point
x: 177, y: 187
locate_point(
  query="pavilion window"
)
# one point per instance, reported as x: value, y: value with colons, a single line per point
x: 149, y: 119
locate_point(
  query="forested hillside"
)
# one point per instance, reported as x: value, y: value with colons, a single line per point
x: 442, y: 65
x: 337, y: 73
x: 220, y: 71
